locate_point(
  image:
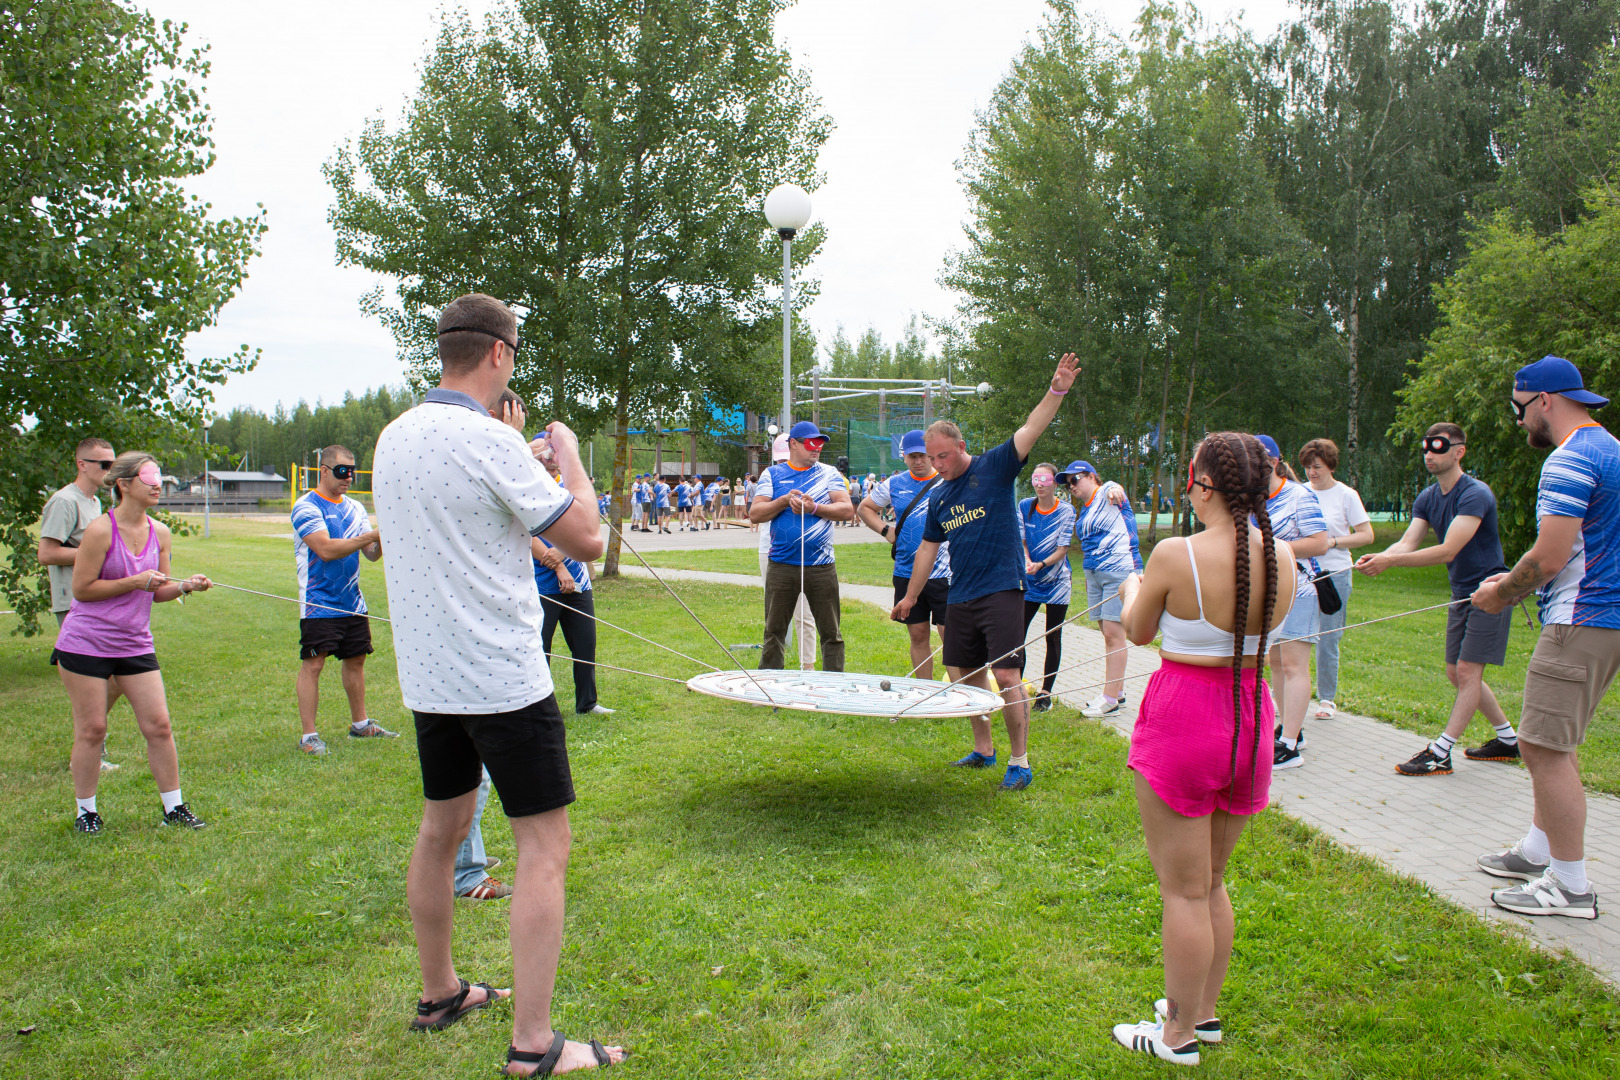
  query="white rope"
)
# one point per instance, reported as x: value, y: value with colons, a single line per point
x: 802, y: 598
x: 289, y: 599
x: 632, y: 633
x: 610, y: 667
x: 701, y: 624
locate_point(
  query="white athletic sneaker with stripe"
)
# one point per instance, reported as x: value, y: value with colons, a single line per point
x: 1148, y: 1037
x: 1546, y: 895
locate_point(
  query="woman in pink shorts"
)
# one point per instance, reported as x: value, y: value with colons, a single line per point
x: 1201, y: 748
x: 121, y: 570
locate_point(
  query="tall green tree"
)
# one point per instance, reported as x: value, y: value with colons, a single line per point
x: 106, y: 264
x: 600, y: 165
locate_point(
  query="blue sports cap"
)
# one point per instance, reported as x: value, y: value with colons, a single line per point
x: 804, y: 429
x: 1270, y: 444
x: 1555, y: 375
x: 1075, y: 469
x: 912, y: 442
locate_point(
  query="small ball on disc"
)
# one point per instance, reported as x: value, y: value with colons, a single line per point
x: 885, y: 685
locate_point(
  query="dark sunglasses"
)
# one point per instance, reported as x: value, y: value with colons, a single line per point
x: 91, y: 461
x: 342, y: 472
x: 513, y: 345
x: 1439, y: 444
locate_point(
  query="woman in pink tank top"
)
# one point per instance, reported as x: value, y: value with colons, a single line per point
x: 1201, y: 745
x: 121, y: 570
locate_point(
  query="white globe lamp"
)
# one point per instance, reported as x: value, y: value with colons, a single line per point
x: 787, y: 208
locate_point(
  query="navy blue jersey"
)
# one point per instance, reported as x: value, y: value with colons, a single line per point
x: 978, y: 513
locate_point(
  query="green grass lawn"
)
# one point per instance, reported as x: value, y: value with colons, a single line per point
x: 1394, y: 671
x: 752, y: 893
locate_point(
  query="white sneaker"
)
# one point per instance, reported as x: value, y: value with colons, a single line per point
x: 1148, y: 1037
x: 599, y: 710
x: 1324, y: 710
x: 1099, y: 706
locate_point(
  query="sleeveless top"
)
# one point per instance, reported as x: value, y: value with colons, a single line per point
x: 1199, y: 637
x: 121, y: 626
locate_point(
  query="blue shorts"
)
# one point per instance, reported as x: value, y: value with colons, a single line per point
x: 1101, y: 583
x: 1301, y: 620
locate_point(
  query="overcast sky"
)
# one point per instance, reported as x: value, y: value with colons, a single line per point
x: 293, y: 80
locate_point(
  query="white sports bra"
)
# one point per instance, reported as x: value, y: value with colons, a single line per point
x: 1199, y: 637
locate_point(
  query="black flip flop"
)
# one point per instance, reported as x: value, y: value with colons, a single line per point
x: 549, y: 1059
x: 455, y: 1005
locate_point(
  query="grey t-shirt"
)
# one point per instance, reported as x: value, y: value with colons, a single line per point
x: 1482, y: 555
x: 66, y: 514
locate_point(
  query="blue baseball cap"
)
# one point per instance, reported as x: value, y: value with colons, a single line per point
x: 1075, y: 469
x: 912, y: 442
x: 1270, y: 444
x: 804, y: 429
x: 1555, y: 375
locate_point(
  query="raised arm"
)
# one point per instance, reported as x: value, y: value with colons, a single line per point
x: 1041, y: 417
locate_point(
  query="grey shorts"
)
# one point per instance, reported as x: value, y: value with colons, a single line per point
x: 1475, y: 637
x: 1101, y: 583
x: 1569, y: 673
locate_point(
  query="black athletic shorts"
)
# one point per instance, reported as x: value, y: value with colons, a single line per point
x: 525, y: 751
x: 103, y: 667
x: 930, y: 605
x: 343, y: 637
x: 988, y: 629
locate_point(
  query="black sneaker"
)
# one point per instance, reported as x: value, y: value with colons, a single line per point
x: 182, y: 815
x: 1495, y: 750
x: 1425, y: 763
x: 1284, y: 758
x: 1300, y: 742
x: 1043, y: 703
x: 88, y: 822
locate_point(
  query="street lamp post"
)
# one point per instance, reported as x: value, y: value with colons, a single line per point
x: 206, y: 479
x: 787, y: 208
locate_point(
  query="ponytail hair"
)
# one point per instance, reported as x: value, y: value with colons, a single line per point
x: 1237, y: 468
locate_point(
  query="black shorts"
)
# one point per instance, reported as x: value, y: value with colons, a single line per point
x: 930, y: 605
x: 1477, y: 637
x: 103, y: 667
x: 990, y: 628
x: 343, y: 637
x: 525, y: 751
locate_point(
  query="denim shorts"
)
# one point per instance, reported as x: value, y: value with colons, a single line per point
x: 1301, y: 620
x: 1104, y: 583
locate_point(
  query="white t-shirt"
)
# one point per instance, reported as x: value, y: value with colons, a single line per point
x: 458, y: 495
x: 1343, y: 512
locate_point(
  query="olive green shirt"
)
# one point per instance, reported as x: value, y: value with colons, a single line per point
x: 66, y: 515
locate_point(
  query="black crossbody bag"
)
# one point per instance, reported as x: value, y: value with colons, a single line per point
x: 910, y: 506
x: 1328, y: 600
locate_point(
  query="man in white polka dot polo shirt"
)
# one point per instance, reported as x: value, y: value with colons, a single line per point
x: 463, y: 493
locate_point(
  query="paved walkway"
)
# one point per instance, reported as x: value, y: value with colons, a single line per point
x: 1431, y: 829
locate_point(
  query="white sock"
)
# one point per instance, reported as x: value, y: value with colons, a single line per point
x: 358, y: 724
x: 1534, y: 846
x: 171, y: 799
x: 1022, y: 761
x: 1110, y: 699
x: 86, y: 806
x: 1442, y: 745
x: 311, y: 735
x: 1572, y: 874
x: 1506, y: 733
x: 1292, y: 744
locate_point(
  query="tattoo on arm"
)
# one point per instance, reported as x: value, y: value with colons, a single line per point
x: 1521, y: 580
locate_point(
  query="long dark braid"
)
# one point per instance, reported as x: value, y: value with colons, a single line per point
x: 1236, y: 463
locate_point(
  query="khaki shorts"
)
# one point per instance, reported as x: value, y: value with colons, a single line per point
x: 1570, y: 671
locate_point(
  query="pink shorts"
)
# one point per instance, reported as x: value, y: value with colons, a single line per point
x: 1182, y: 742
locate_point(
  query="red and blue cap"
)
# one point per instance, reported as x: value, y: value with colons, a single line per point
x: 1555, y: 375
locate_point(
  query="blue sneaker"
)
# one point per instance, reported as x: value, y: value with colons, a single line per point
x: 977, y: 760
x: 1018, y: 778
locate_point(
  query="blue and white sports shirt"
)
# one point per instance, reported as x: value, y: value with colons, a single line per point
x: 819, y: 482
x: 545, y: 578
x: 1045, y: 532
x: 335, y: 584
x: 1107, y: 534
x: 1581, y: 479
x: 898, y: 491
x: 1295, y: 513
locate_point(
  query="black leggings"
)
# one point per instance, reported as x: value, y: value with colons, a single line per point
x: 573, y: 611
x: 1055, y: 615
